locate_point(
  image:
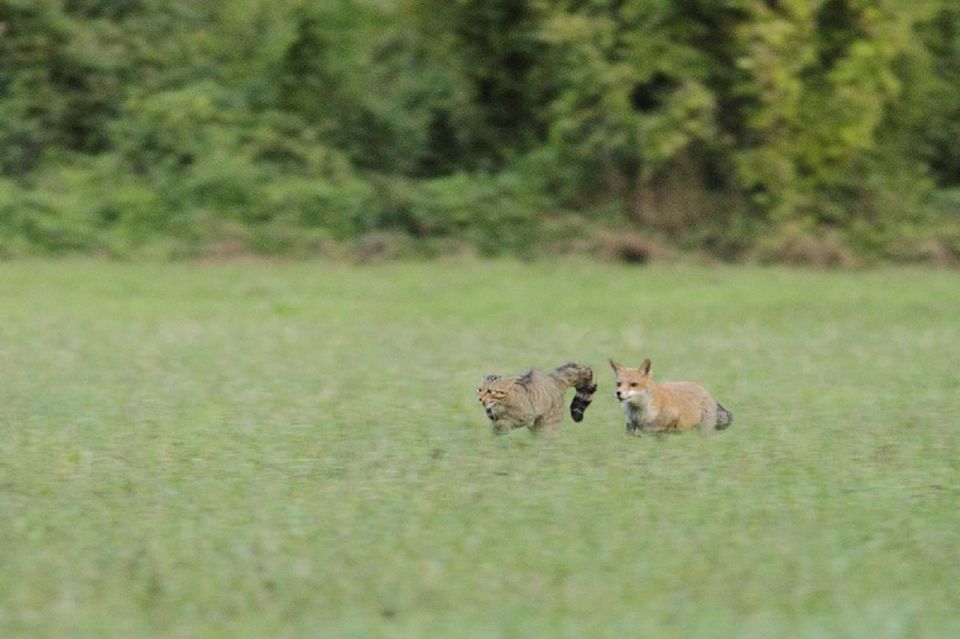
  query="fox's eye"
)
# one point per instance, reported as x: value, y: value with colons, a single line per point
x: 633, y: 384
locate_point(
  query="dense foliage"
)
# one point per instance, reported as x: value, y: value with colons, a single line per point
x: 824, y: 130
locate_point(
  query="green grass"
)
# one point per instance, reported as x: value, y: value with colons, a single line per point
x: 289, y: 450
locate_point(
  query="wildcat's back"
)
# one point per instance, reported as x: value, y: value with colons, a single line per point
x: 545, y: 395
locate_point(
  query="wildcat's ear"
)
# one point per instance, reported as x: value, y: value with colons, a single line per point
x: 490, y: 378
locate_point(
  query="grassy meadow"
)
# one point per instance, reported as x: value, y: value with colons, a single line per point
x: 295, y: 449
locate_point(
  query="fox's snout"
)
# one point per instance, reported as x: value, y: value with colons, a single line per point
x: 627, y: 391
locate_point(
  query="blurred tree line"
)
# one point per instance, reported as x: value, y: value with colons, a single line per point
x: 824, y: 130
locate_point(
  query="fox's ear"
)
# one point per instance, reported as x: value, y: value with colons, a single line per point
x: 645, y: 367
x: 615, y: 366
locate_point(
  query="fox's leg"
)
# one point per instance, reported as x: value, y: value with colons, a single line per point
x: 634, y: 427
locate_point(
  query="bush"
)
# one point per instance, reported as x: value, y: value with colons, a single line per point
x: 497, y: 213
x: 799, y: 131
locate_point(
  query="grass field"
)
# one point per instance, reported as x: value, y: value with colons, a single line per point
x: 293, y: 450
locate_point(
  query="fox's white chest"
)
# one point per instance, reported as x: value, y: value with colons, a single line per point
x: 639, y: 408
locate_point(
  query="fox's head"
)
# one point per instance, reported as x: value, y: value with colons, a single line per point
x: 633, y: 384
x: 492, y: 393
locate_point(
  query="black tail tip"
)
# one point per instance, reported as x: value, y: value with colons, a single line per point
x: 577, y: 414
x: 724, y: 418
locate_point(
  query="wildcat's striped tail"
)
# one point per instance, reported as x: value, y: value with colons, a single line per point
x: 581, y: 377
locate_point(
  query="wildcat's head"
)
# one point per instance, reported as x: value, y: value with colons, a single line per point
x: 494, y: 393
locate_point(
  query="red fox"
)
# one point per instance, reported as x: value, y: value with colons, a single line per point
x: 652, y: 407
x: 535, y: 399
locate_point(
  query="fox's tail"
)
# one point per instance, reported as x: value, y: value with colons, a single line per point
x: 580, y: 376
x: 724, y: 417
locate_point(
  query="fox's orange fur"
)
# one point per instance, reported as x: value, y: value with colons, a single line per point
x: 535, y: 399
x: 652, y: 407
